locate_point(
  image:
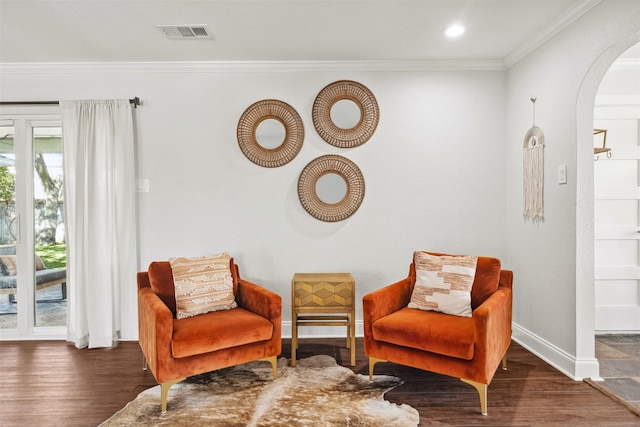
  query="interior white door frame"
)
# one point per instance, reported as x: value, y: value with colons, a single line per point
x: 619, y: 316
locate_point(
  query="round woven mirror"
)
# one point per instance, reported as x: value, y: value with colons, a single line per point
x: 263, y: 123
x: 335, y: 171
x: 327, y: 109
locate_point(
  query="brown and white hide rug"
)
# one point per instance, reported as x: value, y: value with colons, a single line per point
x: 316, y: 393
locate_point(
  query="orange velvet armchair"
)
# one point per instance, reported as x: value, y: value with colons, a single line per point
x: 469, y: 348
x: 177, y: 348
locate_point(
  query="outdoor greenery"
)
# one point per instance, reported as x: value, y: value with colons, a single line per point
x: 53, y: 256
x: 53, y: 194
x: 7, y: 184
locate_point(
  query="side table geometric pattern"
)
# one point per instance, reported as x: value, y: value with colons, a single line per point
x: 323, y: 299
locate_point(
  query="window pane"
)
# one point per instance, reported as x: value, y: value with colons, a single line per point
x: 50, y: 246
x: 8, y: 230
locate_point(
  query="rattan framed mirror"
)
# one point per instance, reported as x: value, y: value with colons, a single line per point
x: 320, y: 168
x: 281, y: 119
x: 330, y: 129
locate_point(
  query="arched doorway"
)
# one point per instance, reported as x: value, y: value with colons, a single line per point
x: 616, y: 199
x: 585, y: 289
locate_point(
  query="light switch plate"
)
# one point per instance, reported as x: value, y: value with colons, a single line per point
x: 142, y: 185
x: 562, y: 174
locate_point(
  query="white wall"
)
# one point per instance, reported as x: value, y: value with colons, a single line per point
x: 443, y: 172
x: 434, y: 170
x: 553, y: 297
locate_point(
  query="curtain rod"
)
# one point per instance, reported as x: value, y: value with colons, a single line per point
x: 135, y: 101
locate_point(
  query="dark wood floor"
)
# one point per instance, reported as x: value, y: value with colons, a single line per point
x: 50, y: 383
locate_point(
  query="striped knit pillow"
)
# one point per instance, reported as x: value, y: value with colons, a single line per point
x: 443, y: 283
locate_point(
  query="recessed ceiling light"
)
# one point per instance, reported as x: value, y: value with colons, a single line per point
x: 455, y: 30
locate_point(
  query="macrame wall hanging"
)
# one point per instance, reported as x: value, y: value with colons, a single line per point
x: 533, y: 171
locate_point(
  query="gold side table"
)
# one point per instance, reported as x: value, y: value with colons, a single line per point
x: 323, y: 299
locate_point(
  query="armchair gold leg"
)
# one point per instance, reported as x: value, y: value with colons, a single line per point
x: 164, y: 391
x: 372, y: 362
x: 482, y: 392
x: 274, y: 363
x: 504, y: 362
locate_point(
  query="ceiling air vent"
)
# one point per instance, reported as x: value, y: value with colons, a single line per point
x: 185, y: 31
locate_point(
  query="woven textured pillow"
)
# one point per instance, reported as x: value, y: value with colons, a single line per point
x: 202, y: 284
x: 443, y: 283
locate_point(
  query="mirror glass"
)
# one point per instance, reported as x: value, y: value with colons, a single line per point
x: 270, y: 133
x: 331, y: 188
x: 345, y: 114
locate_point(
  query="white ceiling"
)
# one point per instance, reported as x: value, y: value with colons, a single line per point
x: 279, y: 30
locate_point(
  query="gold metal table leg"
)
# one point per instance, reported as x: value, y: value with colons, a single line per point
x: 353, y: 339
x: 294, y: 339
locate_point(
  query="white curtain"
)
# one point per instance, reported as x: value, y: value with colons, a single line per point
x: 99, y: 171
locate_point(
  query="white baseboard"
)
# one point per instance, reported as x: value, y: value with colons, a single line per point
x: 576, y: 369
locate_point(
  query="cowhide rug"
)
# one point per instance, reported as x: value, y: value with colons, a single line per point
x: 317, y: 393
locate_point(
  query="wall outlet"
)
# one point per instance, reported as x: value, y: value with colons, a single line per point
x: 142, y: 185
x: 562, y: 174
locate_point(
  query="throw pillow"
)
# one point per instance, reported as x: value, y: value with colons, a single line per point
x: 39, y: 264
x: 203, y: 284
x: 8, y: 265
x: 443, y: 283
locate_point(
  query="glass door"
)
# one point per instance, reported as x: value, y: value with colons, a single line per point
x: 9, y: 226
x: 50, y: 251
x: 33, y: 294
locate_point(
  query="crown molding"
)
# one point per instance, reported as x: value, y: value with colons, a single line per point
x: 249, y: 66
x: 551, y: 30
